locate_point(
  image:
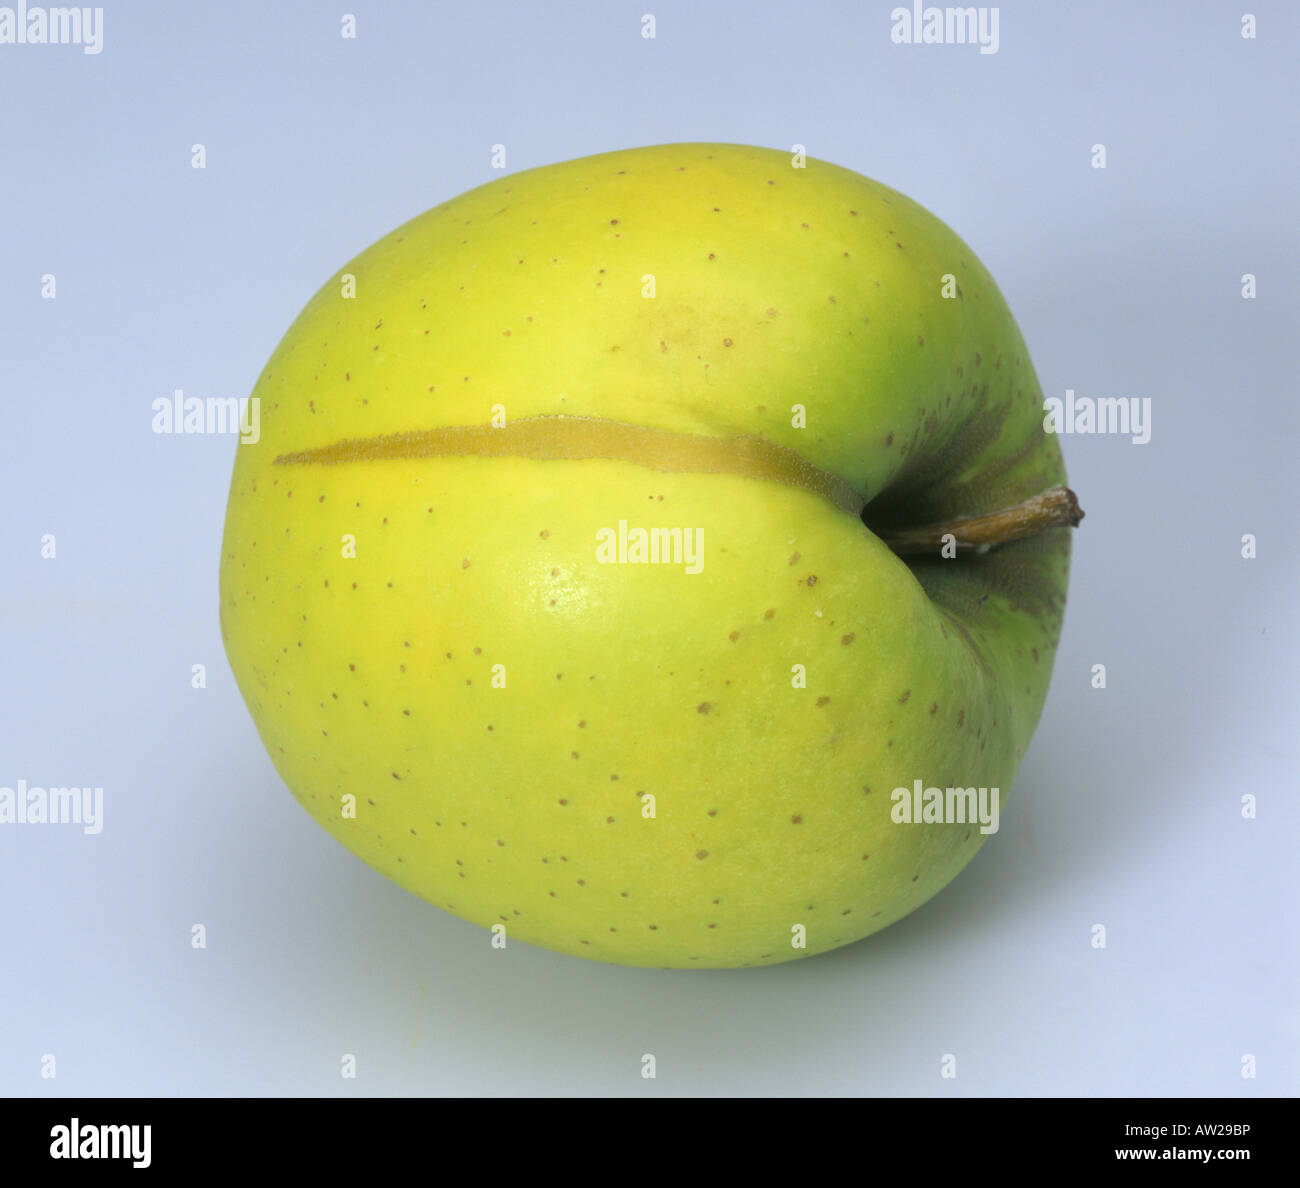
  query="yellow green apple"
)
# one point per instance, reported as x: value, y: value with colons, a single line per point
x: 626, y: 537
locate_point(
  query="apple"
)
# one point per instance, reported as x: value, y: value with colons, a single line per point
x: 640, y: 552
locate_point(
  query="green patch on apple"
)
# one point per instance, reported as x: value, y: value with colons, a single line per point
x: 623, y: 533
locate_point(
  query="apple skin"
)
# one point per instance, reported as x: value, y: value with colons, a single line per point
x: 617, y: 761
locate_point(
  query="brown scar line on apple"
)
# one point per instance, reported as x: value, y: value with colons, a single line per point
x: 569, y: 438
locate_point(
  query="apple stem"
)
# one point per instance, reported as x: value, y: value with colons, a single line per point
x: 1057, y: 507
